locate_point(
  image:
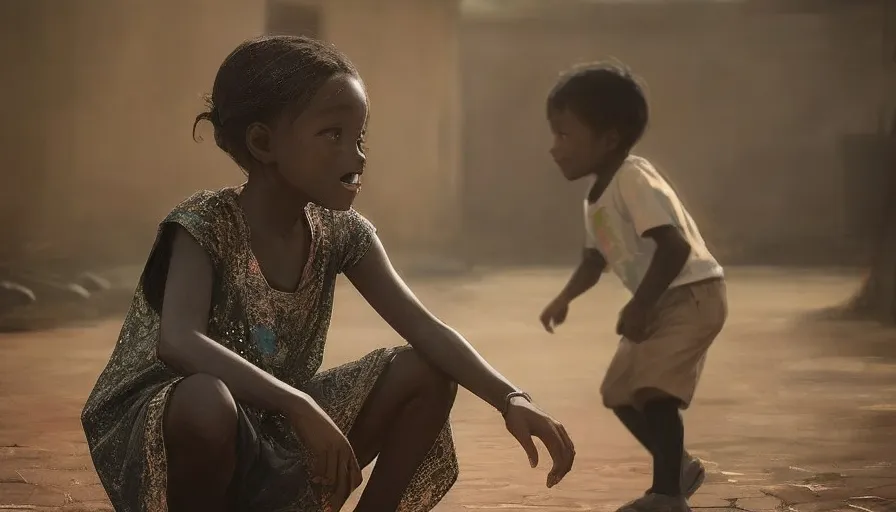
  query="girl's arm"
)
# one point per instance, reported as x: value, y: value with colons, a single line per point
x: 183, y: 344
x: 376, y: 280
x: 184, y: 347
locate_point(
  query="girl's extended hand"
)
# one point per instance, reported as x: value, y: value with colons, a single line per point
x: 524, y: 420
x: 335, y: 465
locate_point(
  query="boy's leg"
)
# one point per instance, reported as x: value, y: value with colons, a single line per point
x: 691, y: 469
x: 660, y: 376
x: 618, y: 396
x: 667, y: 429
x: 636, y: 423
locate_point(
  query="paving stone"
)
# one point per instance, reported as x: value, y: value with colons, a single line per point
x: 872, y: 503
x: 11, y: 476
x: 28, y: 494
x: 92, y: 506
x: 885, y: 491
x: 759, y: 504
x: 86, y: 493
x: 59, y: 477
x: 702, y: 500
x: 792, y: 494
x: 17, y: 493
x: 821, y: 506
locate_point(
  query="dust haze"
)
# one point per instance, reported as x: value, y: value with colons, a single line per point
x: 753, y: 108
x: 774, y: 119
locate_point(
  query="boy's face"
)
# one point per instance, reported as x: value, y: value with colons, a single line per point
x: 578, y: 149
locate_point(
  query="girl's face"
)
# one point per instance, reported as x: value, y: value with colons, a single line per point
x: 320, y: 153
x: 578, y: 149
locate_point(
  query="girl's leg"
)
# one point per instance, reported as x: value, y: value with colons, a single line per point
x: 398, y: 425
x: 200, y: 431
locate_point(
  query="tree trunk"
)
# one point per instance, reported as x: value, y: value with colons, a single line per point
x: 876, y: 298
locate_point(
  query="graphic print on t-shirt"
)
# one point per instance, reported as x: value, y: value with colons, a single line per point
x: 611, y: 244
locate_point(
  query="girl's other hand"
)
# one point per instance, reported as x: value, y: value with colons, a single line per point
x: 335, y: 466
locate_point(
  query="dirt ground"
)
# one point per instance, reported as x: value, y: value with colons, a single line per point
x: 790, y: 415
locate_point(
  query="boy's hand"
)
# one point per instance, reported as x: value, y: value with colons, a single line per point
x: 633, y: 321
x: 554, y: 314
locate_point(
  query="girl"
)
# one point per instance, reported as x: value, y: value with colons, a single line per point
x: 211, y: 400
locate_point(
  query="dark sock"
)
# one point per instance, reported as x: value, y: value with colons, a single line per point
x: 667, y: 432
x: 636, y: 423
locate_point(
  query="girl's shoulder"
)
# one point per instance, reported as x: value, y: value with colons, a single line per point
x: 212, y: 218
x: 207, y: 205
x: 344, y: 223
x: 350, y: 234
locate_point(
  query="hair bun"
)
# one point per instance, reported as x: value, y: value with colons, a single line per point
x: 214, y: 117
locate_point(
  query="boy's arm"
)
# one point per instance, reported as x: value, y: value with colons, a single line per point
x: 586, y: 275
x: 649, y: 206
x: 672, y: 252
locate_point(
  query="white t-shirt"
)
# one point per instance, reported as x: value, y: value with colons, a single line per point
x: 638, y: 199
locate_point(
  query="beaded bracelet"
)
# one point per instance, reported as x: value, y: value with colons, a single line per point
x: 510, y: 396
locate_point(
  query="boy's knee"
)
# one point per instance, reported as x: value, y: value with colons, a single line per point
x: 645, y: 397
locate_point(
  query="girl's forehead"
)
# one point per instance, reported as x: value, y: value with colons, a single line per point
x: 340, y: 93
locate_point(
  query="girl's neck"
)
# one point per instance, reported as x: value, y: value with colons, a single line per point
x: 267, y: 200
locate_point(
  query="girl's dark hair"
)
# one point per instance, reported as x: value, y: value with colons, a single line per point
x: 260, y: 79
x: 604, y: 96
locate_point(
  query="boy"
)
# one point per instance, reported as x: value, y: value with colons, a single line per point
x: 637, y: 227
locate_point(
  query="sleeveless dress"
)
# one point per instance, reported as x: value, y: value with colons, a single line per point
x: 282, y: 333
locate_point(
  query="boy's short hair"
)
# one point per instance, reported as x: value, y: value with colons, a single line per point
x: 604, y: 96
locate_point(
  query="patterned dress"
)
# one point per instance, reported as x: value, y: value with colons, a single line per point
x: 282, y: 333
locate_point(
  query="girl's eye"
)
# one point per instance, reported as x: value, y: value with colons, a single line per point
x: 334, y: 134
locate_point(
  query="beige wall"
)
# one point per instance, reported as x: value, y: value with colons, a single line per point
x: 407, y: 52
x: 100, y: 146
x: 97, y: 139
x: 749, y: 110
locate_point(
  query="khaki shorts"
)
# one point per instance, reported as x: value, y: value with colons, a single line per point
x: 684, y: 324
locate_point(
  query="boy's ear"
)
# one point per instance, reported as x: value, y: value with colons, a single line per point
x: 613, y: 139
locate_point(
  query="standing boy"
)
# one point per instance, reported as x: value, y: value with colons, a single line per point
x: 637, y: 227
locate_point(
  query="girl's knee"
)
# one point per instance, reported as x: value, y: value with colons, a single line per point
x: 423, y: 380
x: 201, y: 417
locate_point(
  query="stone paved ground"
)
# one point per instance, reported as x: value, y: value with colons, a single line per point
x: 790, y: 416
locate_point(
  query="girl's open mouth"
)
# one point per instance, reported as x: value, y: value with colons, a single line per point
x: 351, y: 181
